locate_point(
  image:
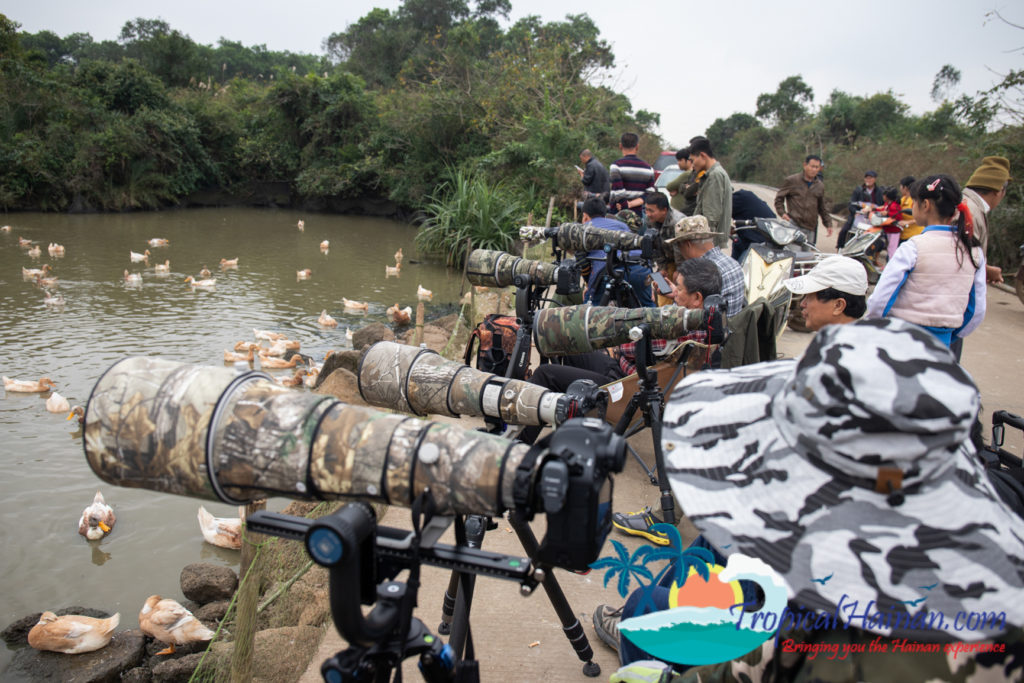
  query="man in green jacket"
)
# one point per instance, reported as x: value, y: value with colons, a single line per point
x: 714, y: 198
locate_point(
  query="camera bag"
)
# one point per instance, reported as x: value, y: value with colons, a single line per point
x: 494, y: 339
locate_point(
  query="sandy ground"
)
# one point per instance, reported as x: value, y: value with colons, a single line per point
x: 520, y: 638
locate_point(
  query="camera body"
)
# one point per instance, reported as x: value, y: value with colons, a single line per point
x: 574, y: 490
x: 567, y: 277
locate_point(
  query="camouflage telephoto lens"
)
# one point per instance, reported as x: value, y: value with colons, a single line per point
x: 422, y: 382
x: 209, y: 433
x: 578, y: 238
x: 579, y: 329
x: 489, y: 268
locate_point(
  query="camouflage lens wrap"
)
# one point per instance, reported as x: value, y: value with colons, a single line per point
x: 151, y: 422
x: 489, y: 268
x: 519, y: 403
x: 579, y: 329
x: 424, y: 383
x: 350, y: 451
x: 261, y: 441
x: 462, y: 468
x: 575, y: 237
x: 383, y: 376
x: 146, y: 425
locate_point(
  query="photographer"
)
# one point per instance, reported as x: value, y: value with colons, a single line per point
x: 637, y: 274
x: 691, y: 284
x: 851, y: 473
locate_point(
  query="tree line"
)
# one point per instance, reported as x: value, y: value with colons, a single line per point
x: 426, y: 106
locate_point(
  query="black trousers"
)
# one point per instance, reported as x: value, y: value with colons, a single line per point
x: 595, y: 366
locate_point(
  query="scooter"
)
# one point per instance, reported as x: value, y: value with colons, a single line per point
x: 778, y: 251
x: 867, y: 243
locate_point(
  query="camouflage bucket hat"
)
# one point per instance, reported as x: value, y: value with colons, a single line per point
x: 851, y: 472
x: 692, y: 228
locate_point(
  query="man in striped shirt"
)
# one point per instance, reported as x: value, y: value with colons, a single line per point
x: 631, y: 177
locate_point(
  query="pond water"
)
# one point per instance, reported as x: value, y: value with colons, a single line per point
x: 46, y: 481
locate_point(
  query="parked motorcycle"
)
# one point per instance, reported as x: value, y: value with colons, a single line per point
x: 778, y: 250
x: 867, y: 244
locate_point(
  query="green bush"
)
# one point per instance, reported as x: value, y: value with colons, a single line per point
x: 466, y: 206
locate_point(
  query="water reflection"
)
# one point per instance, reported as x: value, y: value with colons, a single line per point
x: 103, y: 319
x: 99, y: 556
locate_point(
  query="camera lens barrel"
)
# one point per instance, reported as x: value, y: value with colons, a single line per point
x: 579, y: 329
x: 576, y: 237
x: 422, y: 382
x: 489, y: 268
x: 209, y: 433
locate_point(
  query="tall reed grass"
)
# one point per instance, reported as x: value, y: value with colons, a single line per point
x: 465, y: 206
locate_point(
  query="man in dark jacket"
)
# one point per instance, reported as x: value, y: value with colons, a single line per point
x: 801, y: 199
x: 594, y: 176
x: 866, y: 193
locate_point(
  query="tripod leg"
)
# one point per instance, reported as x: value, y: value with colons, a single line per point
x: 570, y: 624
x: 476, y: 525
x: 448, y: 606
x: 653, y: 415
x: 648, y: 470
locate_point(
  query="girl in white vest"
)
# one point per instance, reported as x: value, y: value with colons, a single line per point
x: 936, y: 279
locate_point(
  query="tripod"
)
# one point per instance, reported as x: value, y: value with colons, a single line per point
x: 649, y: 399
x: 615, y: 288
x: 458, y: 597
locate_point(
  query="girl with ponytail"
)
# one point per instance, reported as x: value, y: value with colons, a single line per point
x: 937, y: 278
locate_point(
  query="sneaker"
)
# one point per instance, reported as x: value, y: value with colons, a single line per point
x: 606, y: 625
x: 639, y: 524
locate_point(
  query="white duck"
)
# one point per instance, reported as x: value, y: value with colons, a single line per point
x: 57, y: 403
x: 239, y: 357
x: 35, y: 252
x: 326, y: 320
x: 55, y: 249
x: 393, y: 271
x: 167, y: 621
x: 132, y: 279
x: 267, y: 335
x: 301, y: 225
x: 400, y: 316
x: 355, y: 305
x: 163, y: 268
x: 72, y: 634
x: 159, y: 242
x: 28, y: 387
x: 208, y: 284
x: 29, y: 274
x: 303, y: 274
x: 223, y: 532
x: 226, y: 263
x: 137, y: 257
x: 423, y: 294
x: 325, y: 245
x: 97, y: 520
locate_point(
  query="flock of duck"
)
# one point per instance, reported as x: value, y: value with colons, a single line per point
x: 165, y: 619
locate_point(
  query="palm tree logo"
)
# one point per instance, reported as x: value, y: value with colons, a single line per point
x: 699, y: 625
x: 678, y: 563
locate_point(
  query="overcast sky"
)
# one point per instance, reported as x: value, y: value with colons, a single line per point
x: 691, y: 62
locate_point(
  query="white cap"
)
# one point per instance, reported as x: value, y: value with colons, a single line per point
x: 839, y: 272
